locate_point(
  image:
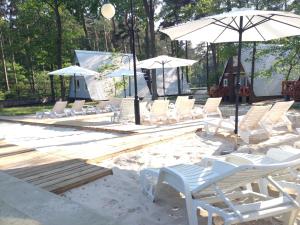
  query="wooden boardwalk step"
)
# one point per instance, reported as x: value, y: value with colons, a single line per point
x: 48, y: 171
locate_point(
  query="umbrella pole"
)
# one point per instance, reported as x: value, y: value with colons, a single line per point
x: 129, y: 85
x: 124, y: 86
x: 163, y: 68
x: 75, y: 86
x: 237, y: 90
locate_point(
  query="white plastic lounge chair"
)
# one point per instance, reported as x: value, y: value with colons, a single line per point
x: 158, y: 112
x: 178, y: 102
x: 183, y: 110
x: 58, y: 110
x: 277, y: 117
x: 289, y: 180
x: 211, y: 108
x: 126, y: 113
x: 204, y: 188
x: 77, y: 108
x: 249, y: 124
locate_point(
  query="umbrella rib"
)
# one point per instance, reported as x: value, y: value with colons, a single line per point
x: 266, y: 19
x: 226, y: 26
x: 223, y: 30
x: 278, y: 21
x: 255, y: 27
x: 249, y: 22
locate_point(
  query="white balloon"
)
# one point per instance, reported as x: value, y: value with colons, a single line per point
x: 108, y: 10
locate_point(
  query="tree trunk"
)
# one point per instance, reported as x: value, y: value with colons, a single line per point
x: 147, y: 41
x: 4, y: 63
x: 88, y: 41
x: 13, y: 61
x: 59, y: 45
x: 214, y: 59
x: 149, y: 9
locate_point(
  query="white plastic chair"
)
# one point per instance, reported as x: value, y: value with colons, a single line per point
x: 126, y: 113
x: 211, y: 108
x: 158, y: 112
x: 249, y: 124
x: 58, y: 110
x: 77, y: 108
x: 183, y: 110
x: 204, y: 188
x: 277, y: 117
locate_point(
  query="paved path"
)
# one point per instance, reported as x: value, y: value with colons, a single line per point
x: 45, y: 208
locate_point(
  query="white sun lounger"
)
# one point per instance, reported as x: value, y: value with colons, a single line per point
x: 158, y: 112
x: 126, y: 113
x: 204, y: 187
x: 183, y: 110
x: 211, y: 108
x: 277, y: 117
x: 58, y: 110
x: 248, y: 125
x: 77, y: 108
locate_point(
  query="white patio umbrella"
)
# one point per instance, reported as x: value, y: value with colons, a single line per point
x: 74, y: 71
x: 237, y: 26
x: 164, y: 61
x: 124, y: 73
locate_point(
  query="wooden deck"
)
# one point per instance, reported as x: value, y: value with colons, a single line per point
x: 52, y: 173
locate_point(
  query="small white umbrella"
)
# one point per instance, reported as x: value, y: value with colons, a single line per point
x: 74, y: 71
x: 124, y: 73
x: 163, y: 62
x: 237, y: 26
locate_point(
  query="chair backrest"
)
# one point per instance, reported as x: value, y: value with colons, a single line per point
x: 180, y: 100
x: 186, y: 107
x: 115, y: 102
x: 78, y: 105
x: 159, y: 108
x: 237, y: 176
x: 102, y: 105
x: 253, y: 117
x: 278, y: 110
x: 127, y: 109
x: 212, y: 105
x: 59, y: 107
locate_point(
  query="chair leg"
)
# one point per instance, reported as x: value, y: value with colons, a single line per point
x: 191, y: 211
x: 289, y: 218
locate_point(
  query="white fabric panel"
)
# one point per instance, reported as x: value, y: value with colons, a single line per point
x: 96, y: 88
x: 171, y: 82
x: 263, y: 86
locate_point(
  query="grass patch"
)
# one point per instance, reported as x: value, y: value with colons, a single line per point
x: 26, y: 110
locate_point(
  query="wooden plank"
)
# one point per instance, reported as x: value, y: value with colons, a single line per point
x: 65, y: 176
x: 51, y: 173
x: 5, y: 145
x: 31, y: 171
x: 43, y: 159
x: 15, y: 150
x: 79, y: 181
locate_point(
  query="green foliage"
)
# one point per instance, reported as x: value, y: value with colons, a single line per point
x: 18, y: 111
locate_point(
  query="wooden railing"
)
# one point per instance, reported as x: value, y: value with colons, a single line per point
x: 291, y: 89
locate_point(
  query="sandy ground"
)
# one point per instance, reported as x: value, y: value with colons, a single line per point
x: 120, y: 195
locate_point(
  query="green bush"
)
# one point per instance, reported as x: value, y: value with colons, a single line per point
x: 2, y: 95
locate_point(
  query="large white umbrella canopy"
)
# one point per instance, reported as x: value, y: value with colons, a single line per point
x: 237, y: 26
x: 164, y: 61
x: 124, y: 73
x: 74, y: 71
x: 257, y: 25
